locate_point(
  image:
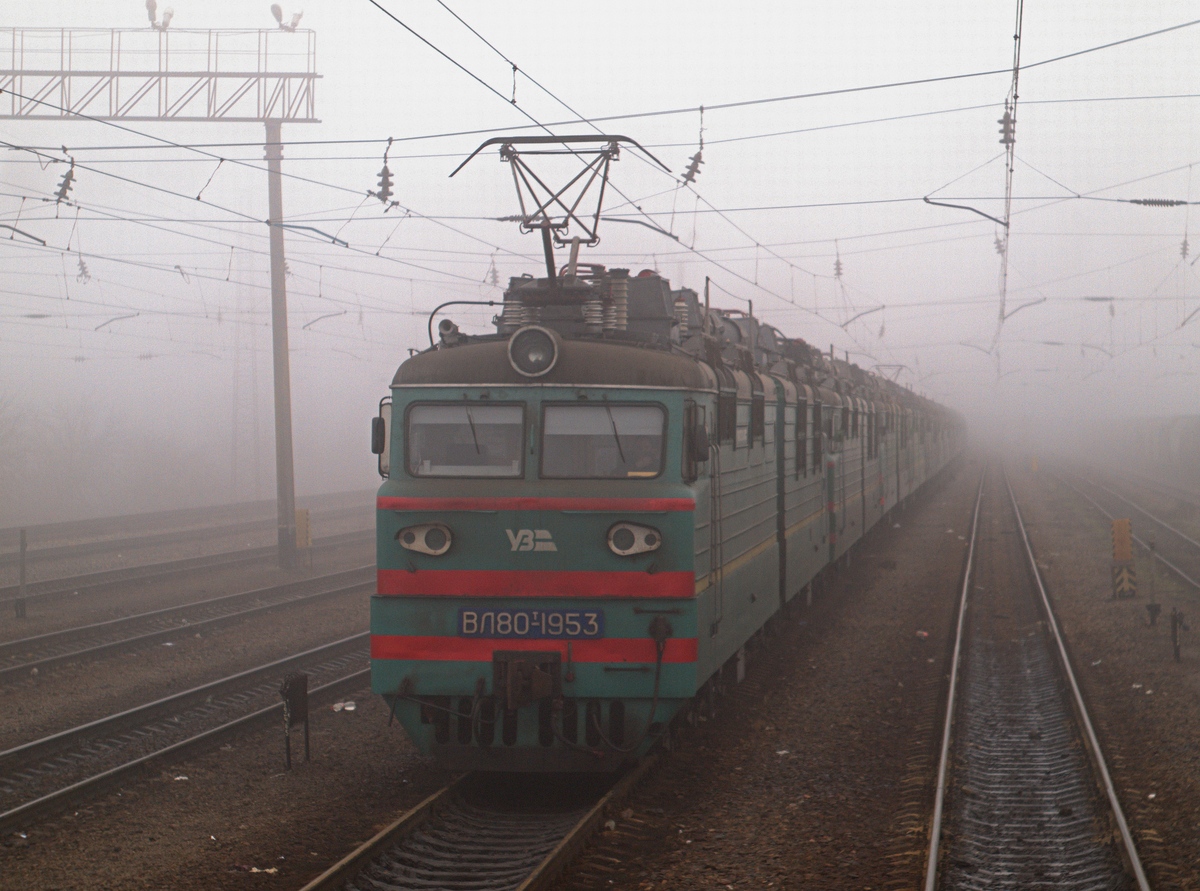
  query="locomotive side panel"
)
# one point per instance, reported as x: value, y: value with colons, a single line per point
x: 875, y: 499
x: 849, y: 490
x: 804, y: 524
x: 741, y: 593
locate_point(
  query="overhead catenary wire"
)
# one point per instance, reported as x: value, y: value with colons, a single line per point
x: 250, y: 218
x: 711, y: 106
x: 223, y: 244
x: 380, y: 140
x: 754, y: 101
x: 592, y: 122
x: 216, y: 277
x: 189, y: 147
x: 762, y: 208
x: 168, y: 268
x: 1073, y: 54
x: 839, y: 91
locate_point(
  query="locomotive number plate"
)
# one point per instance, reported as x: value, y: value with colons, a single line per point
x: 532, y: 624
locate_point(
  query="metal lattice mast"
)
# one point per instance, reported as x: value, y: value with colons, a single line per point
x: 156, y: 74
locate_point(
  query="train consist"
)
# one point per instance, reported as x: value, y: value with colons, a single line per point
x: 587, y: 515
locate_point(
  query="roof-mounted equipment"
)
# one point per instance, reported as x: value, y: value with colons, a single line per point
x: 555, y: 211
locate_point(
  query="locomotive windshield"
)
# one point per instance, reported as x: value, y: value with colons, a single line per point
x: 465, y: 440
x: 602, y: 441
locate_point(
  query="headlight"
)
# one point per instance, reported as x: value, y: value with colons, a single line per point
x: 630, y: 538
x: 428, y: 538
x: 533, y: 351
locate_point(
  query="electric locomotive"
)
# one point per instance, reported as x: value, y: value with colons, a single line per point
x: 587, y: 515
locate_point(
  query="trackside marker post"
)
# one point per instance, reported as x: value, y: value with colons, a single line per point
x: 1124, y: 575
x: 294, y: 691
x: 19, y: 606
x: 303, y: 529
x: 1177, y: 623
x: 304, y: 533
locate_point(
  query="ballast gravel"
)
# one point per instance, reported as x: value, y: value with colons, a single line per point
x: 816, y: 771
x: 1145, y: 706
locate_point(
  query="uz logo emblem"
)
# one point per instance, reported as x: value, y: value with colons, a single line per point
x: 530, y: 540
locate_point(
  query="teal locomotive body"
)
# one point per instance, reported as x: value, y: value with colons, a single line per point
x: 586, y: 516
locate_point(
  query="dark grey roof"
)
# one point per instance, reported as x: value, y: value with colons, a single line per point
x: 582, y: 362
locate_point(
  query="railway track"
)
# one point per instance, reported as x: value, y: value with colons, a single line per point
x: 42, y: 776
x: 87, y: 548
x: 484, y: 833
x: 1024, y: 798
x: 65, y: 531
x: 93, y: 583
x: 19, y: 658
x: 1173, y: 547
x: 1187, y: 497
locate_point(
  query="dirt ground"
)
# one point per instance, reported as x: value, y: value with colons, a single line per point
x: 816, y: 772
x: 232, y: 818
x: 329, y: 517
x: 66, y: 610
x: 238, y: 811
x: 819, y: 772
x: 1144, y: 704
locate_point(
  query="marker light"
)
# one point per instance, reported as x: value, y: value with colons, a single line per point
x: 428, y: 538
x: 626, y: 539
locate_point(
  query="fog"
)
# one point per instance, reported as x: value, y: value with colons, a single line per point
x: 135, y: 358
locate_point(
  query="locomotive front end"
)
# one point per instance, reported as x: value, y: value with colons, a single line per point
x: 535, y: 607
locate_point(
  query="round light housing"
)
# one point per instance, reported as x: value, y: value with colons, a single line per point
x: 626, y: 539
x: 428, y: 538
x: 436, y: 539
x: 623, y: 539
x: 533, y: 351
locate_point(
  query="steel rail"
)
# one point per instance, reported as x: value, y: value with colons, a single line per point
x: 23, y: 642
x: 89, y: 546
x: 538, y: 879
x: 149, y: 571
x: 155, y: 539
x: 939, y: 800
x: 198, y: 517
x: 1085, y: 721
x: 1143, y: 510
x: 30, y: 809
x: 24, y: 668
x: 358, y: 859
x: 99, y: 724
x: 558, y: 859
x: 1189, y: 497
x: 1144, y: 545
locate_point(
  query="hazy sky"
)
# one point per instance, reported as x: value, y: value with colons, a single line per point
x: 787, y: 188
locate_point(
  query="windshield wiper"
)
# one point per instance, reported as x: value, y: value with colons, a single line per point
x: 616, y: 436
x: 471, y: 421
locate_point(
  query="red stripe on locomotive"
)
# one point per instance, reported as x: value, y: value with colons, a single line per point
x: 610, y: 505
x: 450, y: 649
x: 533, y: 583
